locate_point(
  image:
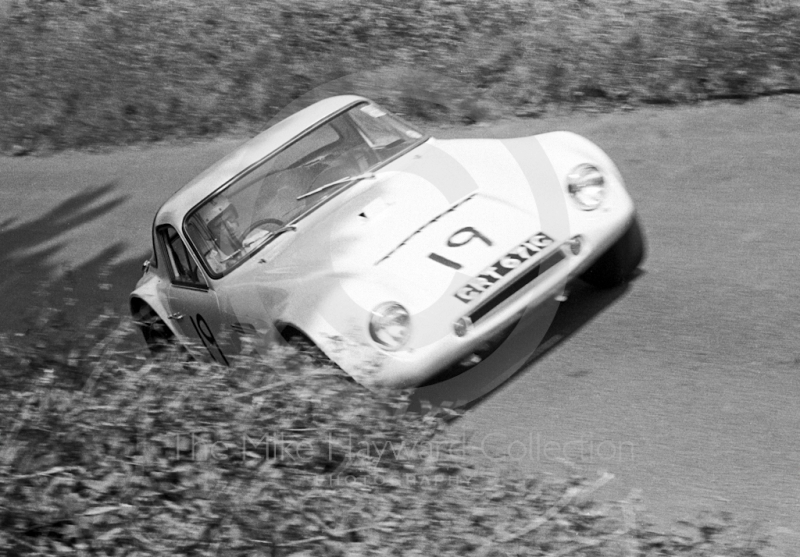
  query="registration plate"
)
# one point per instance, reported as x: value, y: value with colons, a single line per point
x: 492, y: 275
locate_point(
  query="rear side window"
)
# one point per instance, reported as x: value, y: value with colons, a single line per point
x: 182, y: 267
x: 154, y: 257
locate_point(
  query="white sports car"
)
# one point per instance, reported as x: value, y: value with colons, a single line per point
x: 395, y: 254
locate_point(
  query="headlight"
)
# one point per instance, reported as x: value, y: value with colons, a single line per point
x: 390, y: 325
x: 587, y: 186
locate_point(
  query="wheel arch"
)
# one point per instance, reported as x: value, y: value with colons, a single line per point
x: 290, y: 333
x: 288, y: 330
x: 145, y: 314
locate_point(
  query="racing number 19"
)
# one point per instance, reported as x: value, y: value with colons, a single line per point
x: 456, y: 240
x: 207, y: 337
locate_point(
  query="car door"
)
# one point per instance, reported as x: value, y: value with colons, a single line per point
x: 193, y: 305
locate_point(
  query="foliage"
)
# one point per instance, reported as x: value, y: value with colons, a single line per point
x: 105, y: 453
x: 80, y: 73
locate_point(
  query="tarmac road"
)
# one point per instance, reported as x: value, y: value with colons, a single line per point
x: 684, y: 385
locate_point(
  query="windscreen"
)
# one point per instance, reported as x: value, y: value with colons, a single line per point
x: 235, y: 223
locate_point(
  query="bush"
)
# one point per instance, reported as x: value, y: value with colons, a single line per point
x: 105, y: 453
x: 79, y: 73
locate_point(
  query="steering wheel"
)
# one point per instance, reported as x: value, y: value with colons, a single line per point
x: 372, y: 158
x: 267, y: 225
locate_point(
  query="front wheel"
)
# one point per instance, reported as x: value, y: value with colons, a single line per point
x: 311, y: 353
x: 617, y: 264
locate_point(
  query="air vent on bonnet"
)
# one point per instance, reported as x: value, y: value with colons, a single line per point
x: 421, y: 228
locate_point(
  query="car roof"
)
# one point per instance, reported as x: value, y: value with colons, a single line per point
x: 248, y: 154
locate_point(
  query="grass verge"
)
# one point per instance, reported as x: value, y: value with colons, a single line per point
x: 82, y: 73
x: 105, y: 453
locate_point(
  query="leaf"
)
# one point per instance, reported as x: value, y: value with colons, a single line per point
x: 110, y: 534
x: 102, y: 486
x: 94, y: 511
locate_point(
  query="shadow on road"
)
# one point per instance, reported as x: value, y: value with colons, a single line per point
x: 540, y: 329
x: 583, y: 305
x: 34, y: 281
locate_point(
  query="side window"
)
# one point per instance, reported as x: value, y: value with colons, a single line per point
x: 182, y: 267
x: 154, y: 257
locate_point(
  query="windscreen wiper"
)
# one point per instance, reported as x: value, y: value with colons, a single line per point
x: 354, y: 179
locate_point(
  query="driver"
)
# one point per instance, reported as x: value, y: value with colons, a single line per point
x: 222, y: 221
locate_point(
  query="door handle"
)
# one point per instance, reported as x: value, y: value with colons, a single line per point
x: 177, y: 316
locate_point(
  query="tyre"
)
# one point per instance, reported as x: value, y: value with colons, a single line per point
x: 306, y: 348
x: 618, y: 264
x: 311, y: 353
x: 157, y: 335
